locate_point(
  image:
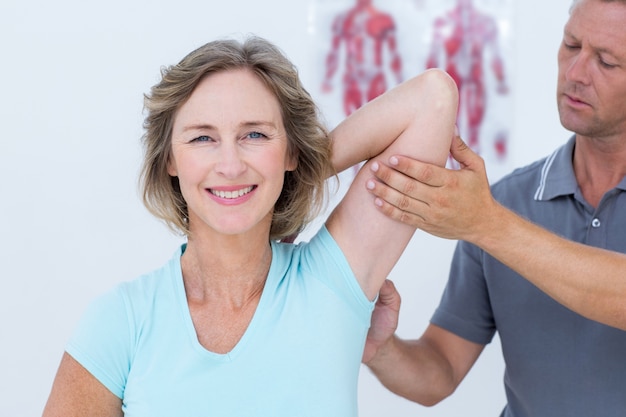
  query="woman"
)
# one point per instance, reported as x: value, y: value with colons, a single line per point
x: 236, y: 323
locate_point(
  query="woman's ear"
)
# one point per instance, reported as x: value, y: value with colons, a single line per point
x: 292, y: 162
x: 171, y: 168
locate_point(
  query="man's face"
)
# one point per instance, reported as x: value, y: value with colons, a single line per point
x: 591, y: 89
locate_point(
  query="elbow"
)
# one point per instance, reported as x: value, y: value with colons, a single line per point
x: 442, y: 90
x: 434, y: 93
x: 435, y: 395
x: 430, y: 390
x: 424, y: 397
x: 436, y: 398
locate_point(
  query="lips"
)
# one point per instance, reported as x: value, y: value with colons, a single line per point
x: 575, y: 101
x: 231, y: 194
x: 570, y: 93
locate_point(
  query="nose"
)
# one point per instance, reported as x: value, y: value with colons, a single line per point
x: 230, y: 163
x: 578, y: 68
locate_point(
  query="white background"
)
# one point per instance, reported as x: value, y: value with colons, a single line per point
x: 71, y: 223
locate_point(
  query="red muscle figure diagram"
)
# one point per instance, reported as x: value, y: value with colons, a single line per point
x: 461, y: 39
x: 366, y: 32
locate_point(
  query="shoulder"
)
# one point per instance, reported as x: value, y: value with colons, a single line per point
x: 523, y: 180
x: 320, y: 271
x: 130, y: 299
x: 318, y: 260
x: 320, y: 249
x: 555, y: 166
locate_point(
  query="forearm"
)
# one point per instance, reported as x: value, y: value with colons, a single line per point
x: 588, y: 280
x: 413, y: 370
x: 375, y: 126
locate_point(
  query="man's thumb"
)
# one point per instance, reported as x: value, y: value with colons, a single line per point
x: 462, y: 153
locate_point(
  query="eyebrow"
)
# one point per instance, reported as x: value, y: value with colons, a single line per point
x: 253, y: 123
x: 599, y: 50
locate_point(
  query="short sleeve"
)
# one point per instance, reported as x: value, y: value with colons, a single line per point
x: 465, y: 309
x: 324, y: 260
x: 101, y: 342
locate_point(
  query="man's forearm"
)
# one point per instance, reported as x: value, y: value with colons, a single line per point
x: 588, y: 280
x: 411, y: 369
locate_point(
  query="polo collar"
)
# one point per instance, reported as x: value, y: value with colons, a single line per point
x: 557, y: 174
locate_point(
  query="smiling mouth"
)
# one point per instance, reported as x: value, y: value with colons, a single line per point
x: 231, y: 194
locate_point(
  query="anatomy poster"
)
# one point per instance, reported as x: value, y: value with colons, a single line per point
x: 364, y: 47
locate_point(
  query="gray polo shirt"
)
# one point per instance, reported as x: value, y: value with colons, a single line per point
x: 558, y: 363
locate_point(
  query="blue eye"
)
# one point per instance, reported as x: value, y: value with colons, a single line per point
x: 256, y: 135
x: 202, y: 138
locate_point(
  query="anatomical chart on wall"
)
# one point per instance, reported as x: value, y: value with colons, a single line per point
x: 364, y: 47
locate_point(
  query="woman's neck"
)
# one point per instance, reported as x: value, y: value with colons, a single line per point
x: 232, y: 268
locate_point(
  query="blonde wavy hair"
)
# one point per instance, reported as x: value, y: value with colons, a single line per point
x: 304, y: 189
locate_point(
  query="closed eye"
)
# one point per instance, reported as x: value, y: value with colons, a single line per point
x: 606, y: 64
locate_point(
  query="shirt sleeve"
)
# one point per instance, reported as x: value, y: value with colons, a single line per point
x: 101, y: 342
x: 325, y: 261
x: 465, y: 309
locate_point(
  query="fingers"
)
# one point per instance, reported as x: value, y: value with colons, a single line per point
x: 393, y: 203
x: 423, y: 172
x: 409, y: 176
x: 389, y: 295
x: 384, y: 321
x: 408, y: 215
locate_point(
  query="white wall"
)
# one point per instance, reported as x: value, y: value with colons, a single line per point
x: 73, y: 74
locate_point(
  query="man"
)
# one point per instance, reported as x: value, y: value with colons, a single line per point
x: 558, y: 363
x: 458, y: 205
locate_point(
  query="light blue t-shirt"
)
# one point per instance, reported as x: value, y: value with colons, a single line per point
x: 300, y: 355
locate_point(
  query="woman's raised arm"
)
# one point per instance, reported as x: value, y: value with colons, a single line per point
x: 416, y: 119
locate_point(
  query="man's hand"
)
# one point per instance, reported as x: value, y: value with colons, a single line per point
x: 453, y: 204
x: 384, y: 320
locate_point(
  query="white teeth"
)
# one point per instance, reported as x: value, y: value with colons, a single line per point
x: 231, y: 194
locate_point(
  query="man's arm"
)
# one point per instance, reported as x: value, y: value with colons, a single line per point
x: 459, y: 205
x: 426, y: 370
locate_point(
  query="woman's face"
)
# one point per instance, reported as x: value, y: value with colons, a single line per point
x: 229, y: 152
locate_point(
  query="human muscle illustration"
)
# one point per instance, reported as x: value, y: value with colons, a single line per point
x: 461, y: 40
x: 366, y: 33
